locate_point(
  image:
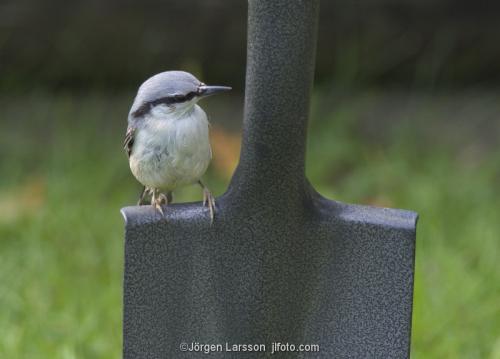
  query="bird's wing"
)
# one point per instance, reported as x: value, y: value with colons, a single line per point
x: 128, y: 143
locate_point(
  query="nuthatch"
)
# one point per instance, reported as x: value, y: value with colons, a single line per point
x: 167, y: 138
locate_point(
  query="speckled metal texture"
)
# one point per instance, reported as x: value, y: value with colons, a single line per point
x: 280, y: 263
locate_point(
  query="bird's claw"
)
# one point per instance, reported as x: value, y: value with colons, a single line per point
x: 162, y: 198
x: 157, y: 206
x: 209, y: 200
x: 157, y: 201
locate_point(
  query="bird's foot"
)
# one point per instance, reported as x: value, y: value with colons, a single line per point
x: 209, y: 201
x: 157, y: 200
x: 144, y: 193
x: 163, y: 199
x: 157, y: 205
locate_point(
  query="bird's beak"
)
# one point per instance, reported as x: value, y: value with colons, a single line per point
x: 205, y: 90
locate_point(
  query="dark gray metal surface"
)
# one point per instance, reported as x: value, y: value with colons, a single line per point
x: 280, y: 263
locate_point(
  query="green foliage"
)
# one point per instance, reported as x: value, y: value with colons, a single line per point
x: 455, y: 190
x: 64, y: 176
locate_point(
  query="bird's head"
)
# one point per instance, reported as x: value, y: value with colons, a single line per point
x: 170, y: 92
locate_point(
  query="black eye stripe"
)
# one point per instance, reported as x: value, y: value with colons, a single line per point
x: 146, y: 107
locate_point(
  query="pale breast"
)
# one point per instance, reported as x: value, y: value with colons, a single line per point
x: 169, y: 152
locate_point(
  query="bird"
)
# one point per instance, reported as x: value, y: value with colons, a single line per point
x: 167, y: 139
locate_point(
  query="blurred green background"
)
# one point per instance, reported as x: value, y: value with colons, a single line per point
x: 405, y: 113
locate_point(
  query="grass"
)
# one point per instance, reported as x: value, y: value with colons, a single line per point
x: 63, y: 178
